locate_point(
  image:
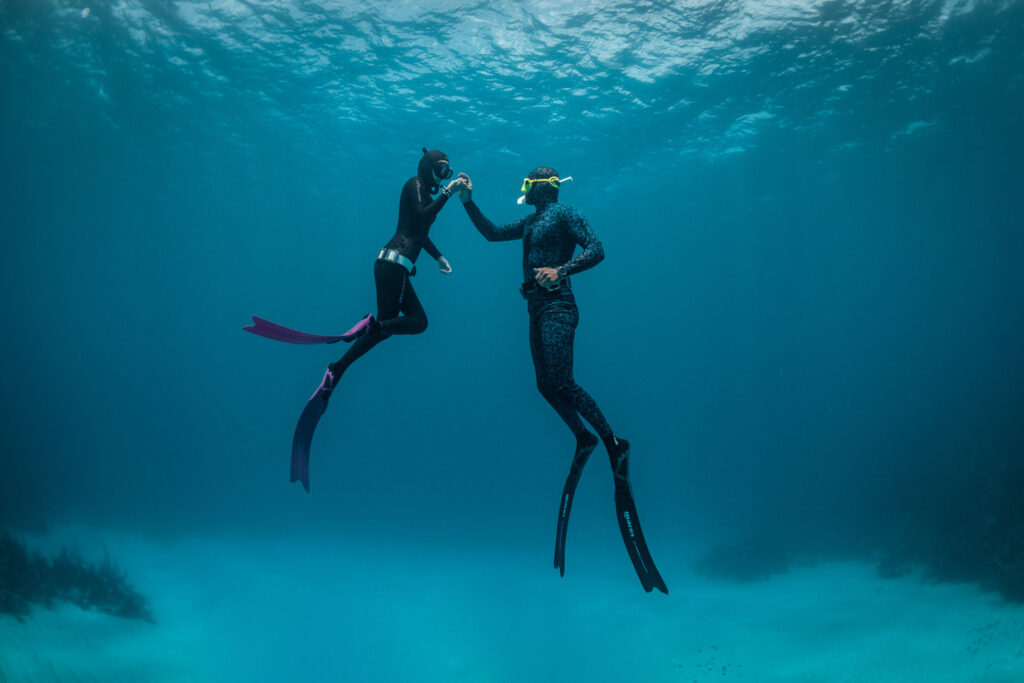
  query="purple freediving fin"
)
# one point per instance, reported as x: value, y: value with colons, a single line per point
x: 265, y: 328
x: 303, y: 437
x: 359, y: 329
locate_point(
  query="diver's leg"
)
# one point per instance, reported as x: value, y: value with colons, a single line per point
x: 557, y: 333
x: 389, y: 285
x: 547, y: 331
x: 413, y: 319
x: 558, y: 328
x: 390, y: 280
x: 546, y: 335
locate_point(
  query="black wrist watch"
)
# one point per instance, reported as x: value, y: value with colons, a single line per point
x: 562, y: 272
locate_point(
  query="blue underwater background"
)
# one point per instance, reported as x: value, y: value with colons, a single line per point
x: 809, y: 322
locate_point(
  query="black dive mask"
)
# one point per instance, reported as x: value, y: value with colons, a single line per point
x: 442, y: 171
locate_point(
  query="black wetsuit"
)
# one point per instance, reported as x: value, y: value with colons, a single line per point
x: 398, y: 308
x: 549, y: 239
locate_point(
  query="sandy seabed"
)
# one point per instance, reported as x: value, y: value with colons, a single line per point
x: 315, y: 609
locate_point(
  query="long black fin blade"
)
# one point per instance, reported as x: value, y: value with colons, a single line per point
x: 565, y: 506
x: 633, y: 537
x: 583, y: 452
x: 629, y: 520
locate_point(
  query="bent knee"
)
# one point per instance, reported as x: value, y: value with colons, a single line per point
x: 567, y: 389
x: 561, y: 392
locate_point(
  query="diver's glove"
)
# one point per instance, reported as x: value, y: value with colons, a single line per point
x: 443, y: 264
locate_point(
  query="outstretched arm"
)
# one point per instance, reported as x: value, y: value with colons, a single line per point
x: 490, y: 231
x: 418, y: 193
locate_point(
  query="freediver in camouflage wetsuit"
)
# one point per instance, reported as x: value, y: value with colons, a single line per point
x: 550, y: 236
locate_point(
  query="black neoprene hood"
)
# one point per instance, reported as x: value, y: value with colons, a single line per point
x: 428, y: 164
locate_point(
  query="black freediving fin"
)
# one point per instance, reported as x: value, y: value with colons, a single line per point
x: 583, y: 451
x: 629, y: 521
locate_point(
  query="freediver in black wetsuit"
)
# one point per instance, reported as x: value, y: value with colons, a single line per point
x: 395, y: 263
x: 550, y: 236
x: 398, y: 308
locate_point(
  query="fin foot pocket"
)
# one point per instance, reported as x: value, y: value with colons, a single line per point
x: 364, y: 326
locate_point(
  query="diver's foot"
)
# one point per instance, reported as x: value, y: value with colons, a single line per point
x: 585, y: 445
x: 365, y: 326
x: 618, y: 456
x: 327, y: 384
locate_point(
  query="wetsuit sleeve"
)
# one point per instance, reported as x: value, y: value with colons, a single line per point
x: 490, y: 231
x: 413, y: 193
x: 429, y: 247
x: 593, y: 250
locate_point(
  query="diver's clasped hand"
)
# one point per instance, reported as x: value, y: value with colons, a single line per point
x: 466, y: 194
x: 443, y: 264
x: 454, y: 186
x: 547, y: 277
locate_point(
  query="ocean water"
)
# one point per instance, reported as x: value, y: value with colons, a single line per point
x: 809, y: 325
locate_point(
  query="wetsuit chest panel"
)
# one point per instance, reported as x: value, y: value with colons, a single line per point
x: 547, y: 241
x: 414, y: 219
